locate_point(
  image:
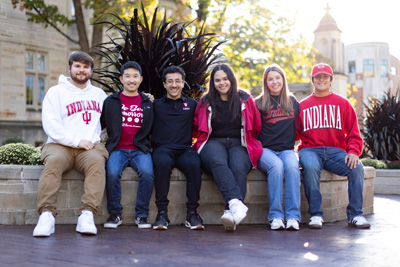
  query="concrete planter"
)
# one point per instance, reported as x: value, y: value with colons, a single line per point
x: 19, y: 184
x: 387, y: 182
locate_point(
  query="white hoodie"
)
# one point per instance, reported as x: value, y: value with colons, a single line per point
x: 71, y: 114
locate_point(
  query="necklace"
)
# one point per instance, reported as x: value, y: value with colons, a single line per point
x: 277, y: 102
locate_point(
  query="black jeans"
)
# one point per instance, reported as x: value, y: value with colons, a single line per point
x: 229, y: 163
x: 187, y: 161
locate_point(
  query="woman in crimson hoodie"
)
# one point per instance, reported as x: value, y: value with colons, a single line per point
x: 228, y: 123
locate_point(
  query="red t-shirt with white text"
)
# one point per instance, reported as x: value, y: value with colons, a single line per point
x: 132, y: 117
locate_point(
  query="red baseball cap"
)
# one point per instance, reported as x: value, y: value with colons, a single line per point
x: 321, y: 68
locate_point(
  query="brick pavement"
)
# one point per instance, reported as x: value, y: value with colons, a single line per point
x: 251, y: 245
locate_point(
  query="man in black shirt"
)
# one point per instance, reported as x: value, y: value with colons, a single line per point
x: 172, y: 143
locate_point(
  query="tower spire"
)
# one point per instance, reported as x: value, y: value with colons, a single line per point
x: 327, y: 8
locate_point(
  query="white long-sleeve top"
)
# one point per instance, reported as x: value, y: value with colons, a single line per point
x: 71, y: 114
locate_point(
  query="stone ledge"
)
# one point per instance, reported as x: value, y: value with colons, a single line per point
x: 18, y: 188
x: 387, y: 182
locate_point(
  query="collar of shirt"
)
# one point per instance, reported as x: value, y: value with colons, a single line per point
x: 181, y: 99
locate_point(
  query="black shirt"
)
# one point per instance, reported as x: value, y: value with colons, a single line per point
x: 278, y: 131
x: 173, y: 122
x: 224, y: 127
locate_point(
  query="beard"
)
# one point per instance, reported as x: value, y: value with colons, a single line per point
x: 78, y: 80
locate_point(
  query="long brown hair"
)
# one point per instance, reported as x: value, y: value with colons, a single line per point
x: 263, y: 101
x: 213, y: 97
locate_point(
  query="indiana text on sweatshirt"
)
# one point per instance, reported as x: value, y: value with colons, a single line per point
x: 328, y: 121
x: 71, y: 114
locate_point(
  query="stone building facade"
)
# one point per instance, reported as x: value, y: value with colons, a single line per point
x: 31, y: 59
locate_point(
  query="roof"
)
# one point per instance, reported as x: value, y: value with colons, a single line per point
x: 327, y: 22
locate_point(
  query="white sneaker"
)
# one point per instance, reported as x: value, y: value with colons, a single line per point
x: 86, y: 224
x: 316, y: 222
x: 45, y: 225
x: 238, y: 209
x: 359, y: 222
x: 228, y: 221
x: 277, y: 224
x: 292, y: 224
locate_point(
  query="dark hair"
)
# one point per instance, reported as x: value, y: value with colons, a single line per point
x: 213, y: 97
x: 173, y: 69
x: 263, y: 101
x: 131, y: 64
x: 81, y: 57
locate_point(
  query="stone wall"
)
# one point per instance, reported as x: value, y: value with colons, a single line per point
x: 18, y: 197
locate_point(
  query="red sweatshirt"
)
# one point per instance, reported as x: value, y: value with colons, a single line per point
x: 328, y: 121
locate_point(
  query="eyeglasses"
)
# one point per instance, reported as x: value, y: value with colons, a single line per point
x: 171, y: 82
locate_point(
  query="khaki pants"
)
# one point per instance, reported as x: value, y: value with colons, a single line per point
x: 58, y: 159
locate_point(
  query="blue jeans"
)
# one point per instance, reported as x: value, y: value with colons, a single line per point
x: 279, y: 166
x: 143, y: 165
x: 331, y: 159
x: 229, y: 163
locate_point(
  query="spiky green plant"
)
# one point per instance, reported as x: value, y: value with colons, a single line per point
x: 155, y: 46
x: 382, y: 127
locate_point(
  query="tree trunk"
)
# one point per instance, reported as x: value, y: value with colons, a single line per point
x: 97, y: 38
x: 80, y: 25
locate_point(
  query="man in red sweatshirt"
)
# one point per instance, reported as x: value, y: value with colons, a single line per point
x: 330, y: 139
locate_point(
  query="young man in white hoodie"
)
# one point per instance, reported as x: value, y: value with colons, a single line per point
x: 71, y: 113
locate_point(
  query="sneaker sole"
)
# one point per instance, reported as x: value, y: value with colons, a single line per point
x: 160, y: 227
x: 146, y: 226
x: 42, y: 234
x: 291, y: 228
x: 196, y: 227
x: 278, y: 229
x: 315, y: 226
x: 112, y: 225
x: 94, y: 232
x: 228, y: 224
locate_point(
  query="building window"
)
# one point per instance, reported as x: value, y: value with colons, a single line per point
x: 368, y: 68
x: 35, y: 78
x: 352, y: 66
x: 384, y: 68
x: 393, y: 71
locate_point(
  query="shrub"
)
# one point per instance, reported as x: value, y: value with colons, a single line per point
x: 156, y: 45
x: 394, y: 165
x: 377, y: 164
x: 382, y: 128
x: 20, y: 154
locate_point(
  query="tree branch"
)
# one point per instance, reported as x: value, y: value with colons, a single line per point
x: 54, y: 26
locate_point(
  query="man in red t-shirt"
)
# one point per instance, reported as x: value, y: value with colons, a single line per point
x: 128, y: 117
x: 330, y: 139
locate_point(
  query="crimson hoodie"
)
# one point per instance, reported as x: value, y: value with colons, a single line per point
x: 328, y: 121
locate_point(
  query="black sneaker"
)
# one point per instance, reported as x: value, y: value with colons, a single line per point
x: 194, y: 221
x: 142, y: 223
x: 162, y: 221
x: 113, y: 221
